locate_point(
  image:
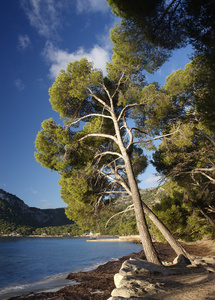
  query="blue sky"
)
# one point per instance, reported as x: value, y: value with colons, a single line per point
x: 38, y: 38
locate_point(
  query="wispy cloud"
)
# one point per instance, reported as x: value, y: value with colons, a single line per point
x: 44, y: 16
x: 60, y: 58
x: 89, y: 6
x: 24, y: 42
x: 34, y: 191
x: 19, y: 85
x: 152, y: 179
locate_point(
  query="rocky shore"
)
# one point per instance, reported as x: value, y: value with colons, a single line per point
x: 196, y: 282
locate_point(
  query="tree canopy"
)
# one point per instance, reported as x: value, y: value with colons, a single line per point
x: 187, y: 155
x: 100, y: 158
x: 95, y: 160
x: 170, y: 24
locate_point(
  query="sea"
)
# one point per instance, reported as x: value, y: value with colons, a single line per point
x: 36, y: 264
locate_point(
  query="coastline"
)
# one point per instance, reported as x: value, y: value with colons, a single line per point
x: 98, y: 284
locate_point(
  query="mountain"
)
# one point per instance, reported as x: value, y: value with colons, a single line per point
x: 14, y: 213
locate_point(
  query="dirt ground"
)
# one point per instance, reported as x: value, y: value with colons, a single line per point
x: 188, y: 284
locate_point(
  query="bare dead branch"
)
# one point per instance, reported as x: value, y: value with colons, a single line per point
x: 109, y: 153
x: 156, y: 138
x: 87, y: 116
x: 129, y: 208
x: 99, y: 135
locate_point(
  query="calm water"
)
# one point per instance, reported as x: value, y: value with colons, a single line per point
x: 37, y: 264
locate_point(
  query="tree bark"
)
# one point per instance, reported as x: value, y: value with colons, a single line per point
x: 176, y: 246
x: 149, y: 249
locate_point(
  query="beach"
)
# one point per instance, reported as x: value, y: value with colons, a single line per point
x: 98, y: 284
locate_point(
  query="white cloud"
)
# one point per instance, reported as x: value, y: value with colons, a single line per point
x: 24, y: 42
x: 152, y: 179
x: 60, y: 58
x: 43, y: 15
x: 89, y: 6
x: 19, y: 85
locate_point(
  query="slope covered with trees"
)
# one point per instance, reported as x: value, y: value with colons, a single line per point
x: 16, y: 216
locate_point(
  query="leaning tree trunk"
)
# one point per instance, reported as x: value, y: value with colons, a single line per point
x: 176, y: 246
x: 149, y: 249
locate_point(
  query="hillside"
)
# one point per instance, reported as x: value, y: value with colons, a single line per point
x: 150, y: 196
x: 18, y: 217
x: 14, y: 214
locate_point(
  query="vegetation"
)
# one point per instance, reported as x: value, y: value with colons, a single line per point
x: 15, y: 222
x: 184, y: 108
x: 99, y: 155
x: 18, y: 218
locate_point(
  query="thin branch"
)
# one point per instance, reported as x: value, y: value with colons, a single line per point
x: 163, y: 16
x: 128, y: 132
x: 134, y: 128
x: 156, y: 138
x: 204, y: 169
x: 118, y: 85
x: 108, y: 108
x: 107, y: 153
x: 99, y: 135
x: 109, y: 96
x: 112, y: 192
x: 207, y: 176
x: 87, y: 116
x: 208, y: 137
x: 118, y: 179
x: 129, y: 106
x: 129, y: 208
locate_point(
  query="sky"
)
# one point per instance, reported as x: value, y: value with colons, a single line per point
x: 38, y: 38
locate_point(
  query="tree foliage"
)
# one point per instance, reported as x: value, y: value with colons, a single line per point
x: 169, y: 24
x: 187, y: 155
x: 99, y: 159
x: 189, y: 151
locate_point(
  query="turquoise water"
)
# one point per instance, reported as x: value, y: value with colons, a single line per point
x: 37, y: 264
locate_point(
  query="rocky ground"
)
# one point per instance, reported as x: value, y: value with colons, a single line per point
x: 189, y: 283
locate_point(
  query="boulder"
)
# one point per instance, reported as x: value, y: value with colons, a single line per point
x: 181, y: 260
x: 128, y: 292
x: 117, y: 279
x: 143, y: 267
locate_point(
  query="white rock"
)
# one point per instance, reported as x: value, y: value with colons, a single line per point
x: 181, y: 260
x: 127, y: 292
x: 139, y: 266
x: 117, y: 280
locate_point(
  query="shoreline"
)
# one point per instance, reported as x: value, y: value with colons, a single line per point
x: 98, y: 284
